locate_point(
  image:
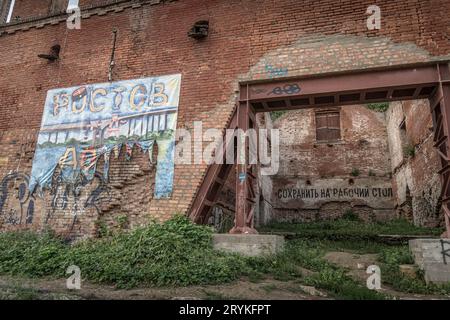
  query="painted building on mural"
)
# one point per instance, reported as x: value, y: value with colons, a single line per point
x: 90, y: 106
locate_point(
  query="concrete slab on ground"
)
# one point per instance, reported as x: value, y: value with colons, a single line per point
x: 249, y: 244
x: 433, y: 257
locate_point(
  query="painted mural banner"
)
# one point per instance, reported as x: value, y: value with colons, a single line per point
x: 84, y: 124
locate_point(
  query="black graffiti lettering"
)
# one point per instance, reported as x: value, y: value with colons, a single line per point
x: 445, y: 252
x: 287, y: 89
x: 68, y: 197
x: 21, y: 194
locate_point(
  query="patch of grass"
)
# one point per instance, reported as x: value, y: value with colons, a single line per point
x: 350, y: 215
x: 391, y: 258
x: 274, y: 115
x: 409, y: 151
x: 28, y: 254
x: 355, y: 172
x: 309, y: 254
x: 269, y: 288
x: 357, y: 247
x: 345, y: 229
x: 378, y: 107
x: 342, y: 286
x: 19, y: 293
x: 176, y: 252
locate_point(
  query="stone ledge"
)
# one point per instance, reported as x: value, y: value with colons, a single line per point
x: 39, y: 22
x: 249, y: 245
x: 432, y: 258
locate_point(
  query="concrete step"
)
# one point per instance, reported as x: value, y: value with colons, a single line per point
x: 430, y: 256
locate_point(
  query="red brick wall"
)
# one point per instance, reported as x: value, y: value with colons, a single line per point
x: 415, y: 163
x: 26, y: 9
x: 363, y: 144
x: 246, y: 39
x: 360, y: 159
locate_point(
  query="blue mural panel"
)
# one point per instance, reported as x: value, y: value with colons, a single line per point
x: 82, y: 124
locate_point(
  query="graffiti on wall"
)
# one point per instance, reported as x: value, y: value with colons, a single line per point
x: 445, y: 251
x: 74, y: 199
x: 16, y: 202
x: 277, y: 71
x: 84, y: 124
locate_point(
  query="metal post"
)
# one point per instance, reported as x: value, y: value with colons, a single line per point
x: 440, y: 108
x: 243, y: 208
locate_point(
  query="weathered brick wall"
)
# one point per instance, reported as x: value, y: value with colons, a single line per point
x: 25, y: 9
x: 358, y: 162
x: 363, y: 145
x: 415, y: 162
x: 248, y: 40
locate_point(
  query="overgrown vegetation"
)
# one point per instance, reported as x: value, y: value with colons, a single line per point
x: 378, y: 107
x: 309, y: 254
x: 176, y: 252
x: 274, y: 115
x: 409, y: 151
x: 391, y: 258
x: 350, y: 215
x: 355, y: 172
x: 179, y: 253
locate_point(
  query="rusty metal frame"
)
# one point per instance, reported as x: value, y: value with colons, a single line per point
x: 409, y: 82
x: 440, y: 110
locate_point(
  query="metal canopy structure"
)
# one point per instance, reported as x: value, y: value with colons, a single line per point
x: 426, y: 81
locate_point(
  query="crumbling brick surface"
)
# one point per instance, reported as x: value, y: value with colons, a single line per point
x: 360, y: 159
x: 415, y: 162
x: 248, y: 40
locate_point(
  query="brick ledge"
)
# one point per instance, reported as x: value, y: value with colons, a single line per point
x: 86, y: 12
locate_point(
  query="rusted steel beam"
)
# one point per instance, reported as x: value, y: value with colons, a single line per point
x: 243, y: 209
x: 430, y: 81
x: 440, y: 109
x: 212, y: 183
x: 343, y: 89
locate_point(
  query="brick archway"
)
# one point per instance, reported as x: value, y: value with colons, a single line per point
x: 409, y: 82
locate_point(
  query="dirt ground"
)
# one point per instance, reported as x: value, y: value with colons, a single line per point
x: 356, y: 266
x: 20, y: 288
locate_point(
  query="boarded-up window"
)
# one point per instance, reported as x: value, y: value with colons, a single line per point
x: 328, y: 126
